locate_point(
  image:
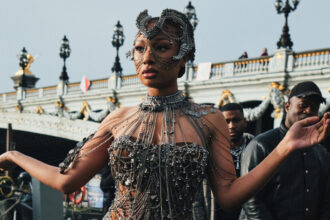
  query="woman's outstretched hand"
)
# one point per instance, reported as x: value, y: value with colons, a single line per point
x: 308, y: 132
x: 5, y: 162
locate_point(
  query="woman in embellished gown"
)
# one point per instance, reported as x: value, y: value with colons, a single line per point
x: 160, y: 151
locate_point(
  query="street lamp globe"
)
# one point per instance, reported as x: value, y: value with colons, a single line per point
x: 278, y: 5
x: 190, y: 12
x: 65, y: 49
x: 118, y: 35
x: 23, y: 59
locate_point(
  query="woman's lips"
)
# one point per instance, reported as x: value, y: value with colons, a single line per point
x: 149, y: 73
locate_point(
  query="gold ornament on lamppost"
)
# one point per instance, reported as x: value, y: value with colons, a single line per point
x: 26, y: 69
x: 23, y: 77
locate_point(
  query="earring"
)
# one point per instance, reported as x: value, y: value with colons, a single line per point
x: 182, y: 71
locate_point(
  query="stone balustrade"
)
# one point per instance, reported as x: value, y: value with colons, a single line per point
x: 254, y: 65
x: 130, y: 81
x: 48, y: 91
x: 217, y: 70
x: 312, y: 58
x: 99, y: 84
x: 282, y: 60
x: 33, y: 93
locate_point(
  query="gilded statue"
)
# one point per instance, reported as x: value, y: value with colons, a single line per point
x: 27, y: 71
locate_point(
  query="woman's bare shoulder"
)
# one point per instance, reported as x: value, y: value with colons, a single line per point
x: 217, y: 119
x: 121, y: 113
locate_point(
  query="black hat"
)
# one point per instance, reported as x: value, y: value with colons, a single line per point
x: 305, y: 89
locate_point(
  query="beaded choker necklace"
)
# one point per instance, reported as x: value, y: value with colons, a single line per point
x: 159, y: 103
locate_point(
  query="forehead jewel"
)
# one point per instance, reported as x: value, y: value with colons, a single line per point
x: 141, y: 23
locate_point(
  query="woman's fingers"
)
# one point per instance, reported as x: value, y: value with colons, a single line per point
x: 323, y: 127
x: 326, y: 124
x: 309, y: 121
x: 327, y: 115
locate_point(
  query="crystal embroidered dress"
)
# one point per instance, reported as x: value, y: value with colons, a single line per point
x: 157, y: 180
x: 159, y: 151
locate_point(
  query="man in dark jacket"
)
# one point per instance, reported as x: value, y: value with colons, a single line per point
x: 300, y: 190
x: 205, y: 206
x: 234, y: 116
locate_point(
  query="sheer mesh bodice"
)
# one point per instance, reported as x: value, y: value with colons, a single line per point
x: 156, y: 181
x: 159, y: 154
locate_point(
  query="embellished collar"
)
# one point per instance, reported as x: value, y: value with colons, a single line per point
x: 159, y: 103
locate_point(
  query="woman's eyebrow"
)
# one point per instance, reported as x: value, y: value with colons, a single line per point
x: 139, y: 41
x: 160, y: 38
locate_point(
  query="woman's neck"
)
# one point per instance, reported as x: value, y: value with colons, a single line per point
x: 162, y: 92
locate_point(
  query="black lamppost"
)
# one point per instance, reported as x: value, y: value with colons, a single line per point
x: 117, y: 41
x: 24, y: 78
x: 64, y: 54
x: 190, y: 12
x: 23, y: 60
x: 285, y: 40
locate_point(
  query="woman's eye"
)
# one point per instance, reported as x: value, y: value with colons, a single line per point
x: 139, y: 48
x: 303, y: 105
x: 162, y: 48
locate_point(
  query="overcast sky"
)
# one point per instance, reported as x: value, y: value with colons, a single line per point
x: 225, y: 30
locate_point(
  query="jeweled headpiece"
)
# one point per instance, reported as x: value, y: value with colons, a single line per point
x: 184, y: 35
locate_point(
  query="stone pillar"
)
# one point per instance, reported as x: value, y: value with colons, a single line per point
x: 23, y: 81
x: 282, y: 61
x: 185, y: 77
x: 41, y: 92
x: 228, y: 69
x: 189, y: 72
x: 62, y: 88
x: 114, y: 81
x: 20, y: 92
x: 118, y: 80
x: 278, y: 62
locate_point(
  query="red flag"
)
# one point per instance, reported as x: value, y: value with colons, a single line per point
x: 84, y: 84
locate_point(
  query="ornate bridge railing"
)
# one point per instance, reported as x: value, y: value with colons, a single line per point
x: 49, y: 91
x: 312, y: 58
x: 217, y: 70
x: 254, y: 65
x: 130, y: 81
x: 99, y: 84
x: 9, y: 97
x: 300, y: 61
x: 33, y: 93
